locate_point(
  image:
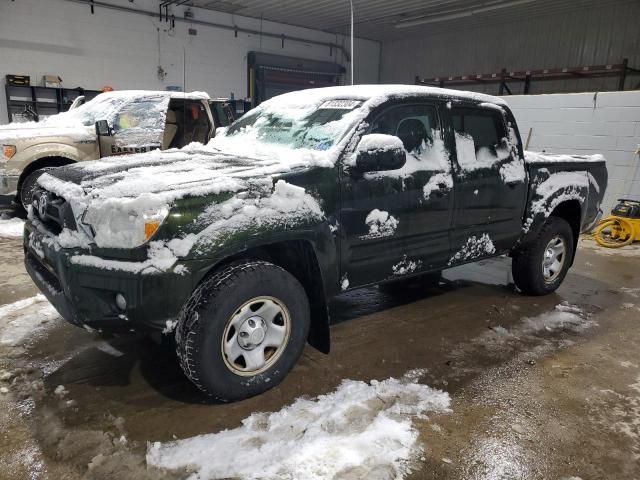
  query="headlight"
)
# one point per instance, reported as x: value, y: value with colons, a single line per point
x: 8, y: 151
x: 152, y: 222
x: 118, y: 225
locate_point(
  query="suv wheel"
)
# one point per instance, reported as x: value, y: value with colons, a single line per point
x: 540, y: 267
x: 28, y: 185
x: 242, y: 330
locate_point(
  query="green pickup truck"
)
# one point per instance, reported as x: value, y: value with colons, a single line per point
x: 238, y: 246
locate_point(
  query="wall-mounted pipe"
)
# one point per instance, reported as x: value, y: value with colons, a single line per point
x: 221, y: 26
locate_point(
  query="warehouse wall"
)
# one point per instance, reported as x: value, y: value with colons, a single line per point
x: 593, y: 36
x: 587, y: 123
x: 120, y: 49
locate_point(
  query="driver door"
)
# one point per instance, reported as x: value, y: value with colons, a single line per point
x: 137, y: 127
x: 396, y: 223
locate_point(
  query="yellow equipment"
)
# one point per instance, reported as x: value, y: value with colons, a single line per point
x: 620, y: 228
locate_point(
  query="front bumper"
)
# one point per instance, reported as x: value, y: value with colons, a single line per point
x: 8, y: 188
x: 85, y: 295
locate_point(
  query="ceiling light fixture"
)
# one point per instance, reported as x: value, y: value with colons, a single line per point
x: 460, y: 14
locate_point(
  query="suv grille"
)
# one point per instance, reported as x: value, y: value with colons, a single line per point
x: 54, y: 211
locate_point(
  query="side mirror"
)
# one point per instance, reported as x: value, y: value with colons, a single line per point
x: 102, y: 128
x: 378, y: 152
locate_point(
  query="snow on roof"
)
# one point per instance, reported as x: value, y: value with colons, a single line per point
x: 150, y: 93
x: 375, y: 93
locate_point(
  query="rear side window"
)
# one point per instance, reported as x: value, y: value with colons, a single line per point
x: 480, y: 137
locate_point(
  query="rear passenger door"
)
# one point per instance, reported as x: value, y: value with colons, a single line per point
x: 395, y: 223
x: 489, y: 183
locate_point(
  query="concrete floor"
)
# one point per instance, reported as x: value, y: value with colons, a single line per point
x: 555, y: 403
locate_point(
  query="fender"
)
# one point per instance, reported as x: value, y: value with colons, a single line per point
x: 548, y: 192
x: 43, y: 150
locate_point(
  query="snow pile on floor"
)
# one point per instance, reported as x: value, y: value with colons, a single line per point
x: 360, y: 430
x: 11, y: 227
x: 563, y: 317
x: 474, y: 248
x: 22, y: 319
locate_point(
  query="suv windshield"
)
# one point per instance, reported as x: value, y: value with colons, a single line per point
x: 314, y: 128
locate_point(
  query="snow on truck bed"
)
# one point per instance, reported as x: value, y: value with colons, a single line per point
x: 542, y: 157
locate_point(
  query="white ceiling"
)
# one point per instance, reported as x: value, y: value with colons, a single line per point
x: 379, y: 19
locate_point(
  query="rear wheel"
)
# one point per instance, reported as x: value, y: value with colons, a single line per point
x: 242, y: 330
x: 540, y: 267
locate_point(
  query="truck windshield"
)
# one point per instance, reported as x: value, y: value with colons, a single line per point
x: 314, y: 128
x: 107, y: 106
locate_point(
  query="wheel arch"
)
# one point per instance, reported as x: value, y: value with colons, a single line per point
x: 43, y: 162
x: 571, y: 212
x: 299, y: 258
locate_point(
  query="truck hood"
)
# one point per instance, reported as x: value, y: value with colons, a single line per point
x: 28, y: 132
x: 115, y: 196
x: 195, y: 170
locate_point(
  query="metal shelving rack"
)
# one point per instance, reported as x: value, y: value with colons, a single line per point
x: 526, y: 77
x: 44, y: 101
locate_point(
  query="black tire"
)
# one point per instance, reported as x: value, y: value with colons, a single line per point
x: 28, y: 185
x: 527, y: 265
x: 431, y: 279
x: 204, y: 319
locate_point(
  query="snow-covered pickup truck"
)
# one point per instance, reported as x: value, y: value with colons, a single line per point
x: 114, y: 123
x: 238, y: 245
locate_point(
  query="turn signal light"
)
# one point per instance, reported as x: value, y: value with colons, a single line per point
x: 150, y: 227
x: 8, y: 151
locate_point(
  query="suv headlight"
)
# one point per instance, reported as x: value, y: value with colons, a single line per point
x: 119, y: 226
x: 8, y: 151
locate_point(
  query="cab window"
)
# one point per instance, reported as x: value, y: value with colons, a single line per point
x: 479, y: 134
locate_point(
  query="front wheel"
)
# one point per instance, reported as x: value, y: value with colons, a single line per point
x: 242, y: 330
x: 28, y: 186
x: 540, y: 267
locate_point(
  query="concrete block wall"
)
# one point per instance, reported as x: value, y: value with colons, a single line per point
x: 587, y: 123
x: 121, y: 49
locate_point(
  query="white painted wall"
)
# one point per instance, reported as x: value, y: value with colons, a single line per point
x: 587, y: 123
x: 47, y: 37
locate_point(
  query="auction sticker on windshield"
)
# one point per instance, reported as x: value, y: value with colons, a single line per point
x: 340, y: 104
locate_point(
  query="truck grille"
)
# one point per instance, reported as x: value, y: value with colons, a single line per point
x: 54, y: 211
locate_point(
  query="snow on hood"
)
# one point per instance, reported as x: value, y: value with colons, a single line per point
x: 138, y: 185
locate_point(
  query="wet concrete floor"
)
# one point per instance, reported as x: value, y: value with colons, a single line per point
x: 553, y: 403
